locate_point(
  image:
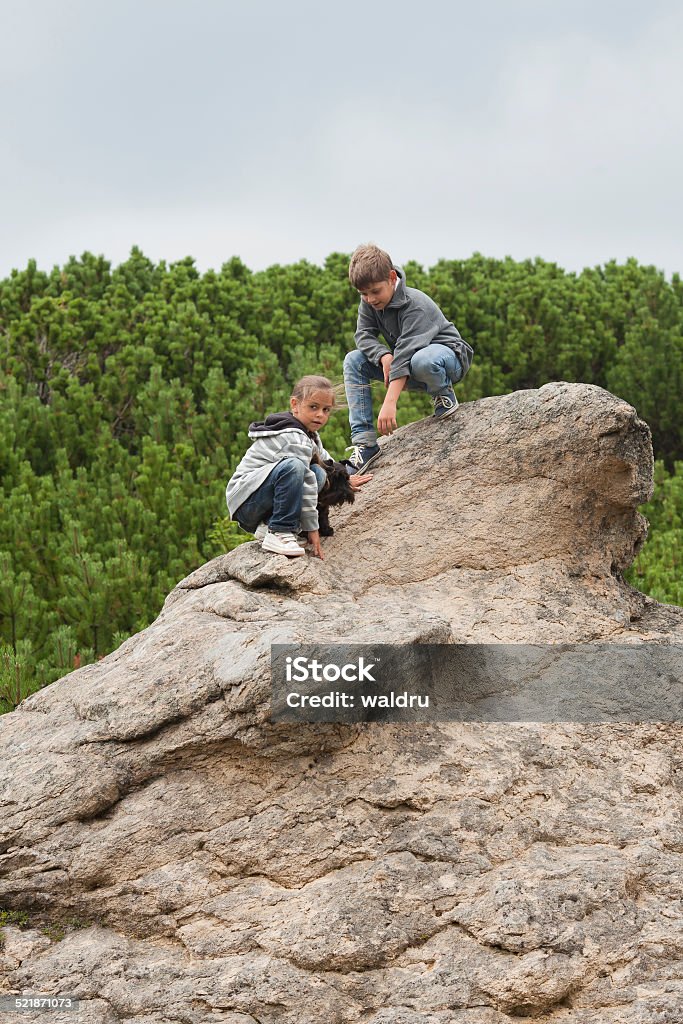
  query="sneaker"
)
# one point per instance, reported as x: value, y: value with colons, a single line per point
x: 282, y: 544
x: 260, y: 531
x: 445, y: 405
x: 362, y: 456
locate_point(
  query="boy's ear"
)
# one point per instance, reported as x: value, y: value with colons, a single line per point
x: 393, y: 276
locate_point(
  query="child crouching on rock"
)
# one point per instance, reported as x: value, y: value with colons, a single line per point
x: 273, y: 493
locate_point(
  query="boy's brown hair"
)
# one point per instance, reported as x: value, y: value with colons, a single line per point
x: 369, y: 265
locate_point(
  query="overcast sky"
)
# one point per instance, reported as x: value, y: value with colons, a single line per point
x: 279, y: 131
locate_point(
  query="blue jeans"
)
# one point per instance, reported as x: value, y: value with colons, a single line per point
x: 433, y: 369
x: 278, y: 500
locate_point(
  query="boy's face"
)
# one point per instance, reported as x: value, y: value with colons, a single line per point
x: 314, y: 411
x: 381, y: 293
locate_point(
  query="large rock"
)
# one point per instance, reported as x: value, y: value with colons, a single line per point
x: 204, y: 864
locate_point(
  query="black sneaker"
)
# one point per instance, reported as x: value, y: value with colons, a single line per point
x: 362, y: 456
x: 445, y: 405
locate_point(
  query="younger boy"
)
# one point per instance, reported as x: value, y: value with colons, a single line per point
x: 273, y: 493
x: 426, y: 352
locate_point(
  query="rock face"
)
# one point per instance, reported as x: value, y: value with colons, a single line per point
x: 202, y: 864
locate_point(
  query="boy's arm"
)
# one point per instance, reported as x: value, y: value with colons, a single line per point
x: 367, y: 333
x: 386, y: 421
x: 418, y: 329
x: 395, y: 388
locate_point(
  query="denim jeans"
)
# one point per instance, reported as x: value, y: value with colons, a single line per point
x: 277, y: 501
x: 433, y: 369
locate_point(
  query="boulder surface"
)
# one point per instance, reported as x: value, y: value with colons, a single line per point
x: 180, y: 858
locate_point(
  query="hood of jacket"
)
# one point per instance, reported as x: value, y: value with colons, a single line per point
x: 399, y: 298
x: 277, y: 422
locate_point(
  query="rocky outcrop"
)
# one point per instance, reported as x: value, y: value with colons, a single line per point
x: 195, y: 862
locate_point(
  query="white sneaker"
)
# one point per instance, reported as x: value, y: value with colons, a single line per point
x: 260, y: 531
x: 282, y: 544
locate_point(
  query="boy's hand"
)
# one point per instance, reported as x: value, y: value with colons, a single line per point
x: 386, y: 421
x: 358, y: 479
x: 386, y: 362
x: 314, y: 541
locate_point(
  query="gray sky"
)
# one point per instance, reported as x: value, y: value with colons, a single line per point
x: 279, y: 131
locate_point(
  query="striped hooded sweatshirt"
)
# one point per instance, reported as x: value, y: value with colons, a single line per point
x: 280, y: 436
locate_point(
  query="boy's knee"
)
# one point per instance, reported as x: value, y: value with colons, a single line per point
x: 291, y: 467
x: 353, y: 360
x: 425, y: 361
x: 457, y: 373
x: 320, y: 476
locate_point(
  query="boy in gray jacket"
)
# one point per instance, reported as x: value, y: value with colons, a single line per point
x: 425, y: 351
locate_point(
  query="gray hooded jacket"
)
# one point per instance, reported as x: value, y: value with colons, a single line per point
x: 409, y: 322
x: 277, y: 438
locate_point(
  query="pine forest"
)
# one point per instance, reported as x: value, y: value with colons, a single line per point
x: 126, y: 393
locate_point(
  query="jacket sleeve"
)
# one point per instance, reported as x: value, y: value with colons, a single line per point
x: 309, y: 502
x: 288, y: 444
x: 367, y: 334
x: 323, y: 453
x: 418, y: 329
